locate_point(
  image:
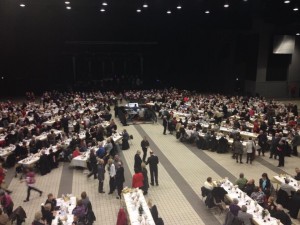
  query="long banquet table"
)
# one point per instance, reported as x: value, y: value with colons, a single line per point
x: 133, y: 198
x: 252, y: 207
x: 293, y: 183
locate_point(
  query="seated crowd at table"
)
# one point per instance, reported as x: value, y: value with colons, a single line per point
x: 65, y: 126
x: 247, y: 201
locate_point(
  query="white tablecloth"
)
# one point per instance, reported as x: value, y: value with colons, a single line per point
x: 65, y: 212
x: 244, y: 199
x: 294, y: 183
x: 133, y: 208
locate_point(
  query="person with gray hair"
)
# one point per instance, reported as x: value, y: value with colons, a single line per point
x: 244, y: 216
x: 287, y: 187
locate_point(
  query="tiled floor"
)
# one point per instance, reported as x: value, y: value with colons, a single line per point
x: 182, y: 171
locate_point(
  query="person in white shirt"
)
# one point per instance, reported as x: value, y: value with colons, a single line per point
x: 112, y: 175
x: 286, y: 187
x: 250, y: 146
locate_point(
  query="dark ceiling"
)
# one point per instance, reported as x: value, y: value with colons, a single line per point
x: 34, y: 38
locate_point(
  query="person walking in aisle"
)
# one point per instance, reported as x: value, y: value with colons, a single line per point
x: 153, y: 161
x: 165, y: 124
x: 30, y: 181
x: 145, y: 146
x: 101, y: 176
x: 112, y: 176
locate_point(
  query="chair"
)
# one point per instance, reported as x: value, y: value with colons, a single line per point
x: 282, y: 198
x: 130, y: 139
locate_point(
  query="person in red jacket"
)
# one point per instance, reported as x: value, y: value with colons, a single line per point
x: 137, y: 179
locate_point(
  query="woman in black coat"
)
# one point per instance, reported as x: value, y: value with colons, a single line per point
x: 146, y: 181
x: 265, y: 184
x: 125, y: 139
x: 138, y: 161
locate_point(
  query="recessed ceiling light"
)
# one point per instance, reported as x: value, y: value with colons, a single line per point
x: 179, y: 7
x: 102, y: 10
x: 145, y: 5
x: 67, y: 3
x: 169, y: 12
x: 22, y: 5
x: 104, y: 3
x: 245, y: 0
x: 226, y: 5
x: 296, y: 8
x: 298, y: 34
x: 138, y: 10
x: 207, y: 11
x: 287, y: 1
x: 68, y: 7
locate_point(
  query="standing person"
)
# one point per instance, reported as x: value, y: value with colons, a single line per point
x: 274, y: 144
x: 146, y: 180
x: 137, y: 179
x: 165, y: 124
x: 250, y: 148
x: 153, y: 161
x: 30, y: 181
x: 262, y: 142
x: 238, y: 150
x: 101, y: 176
x: 295, y: 143
x: 145, y: 146
x: 280, y: 153
x: 93, y: 164
x: 2, y: 179
x: 265, y: 184
x: 120, y: 179
x: 112, y: 176
x: 138, y: 160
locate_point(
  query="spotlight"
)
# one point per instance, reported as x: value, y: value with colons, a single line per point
x: 145, y: 5
x: 169, y: 12
x: 207, y: 12
x: 296, y: 8
x: 138, y: 10
x: 68, y: 7
x: 287, y: 1
x: 298, y: 34
x: 104, y: 3
x: 179, y: 7
x: 22, y: 5
x: 102, y: 10
x: 226, y: 5
x: 67, y: 3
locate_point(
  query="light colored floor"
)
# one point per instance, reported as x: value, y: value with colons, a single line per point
x: 182, y: 172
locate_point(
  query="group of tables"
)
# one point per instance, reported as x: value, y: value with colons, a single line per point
x: 252, y: 206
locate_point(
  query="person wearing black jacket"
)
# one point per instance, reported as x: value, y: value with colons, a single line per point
x: 144, y: 145
x: 120, y: 179
x: 138, y: 161
x: 265, y: 184
x: 153, y: 161
x: 165, y: 124
x: 93, y: 164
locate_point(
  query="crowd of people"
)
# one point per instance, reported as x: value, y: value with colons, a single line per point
x: 85, y: 124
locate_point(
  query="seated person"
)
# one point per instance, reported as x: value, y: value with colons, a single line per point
x: 51, y: 200
x: 76, y: 153
x: 281, y: 215
x: 258, y: 195
x: 4, y: 219
x: 219, y: 193
x: 244, y: 216
x: 47, y: 214
x: 271, y: 207
x: 241, y: 182
x: 249, y: 187
x: 208, y: 184
x: 286, y: 187
x: 79, y: 210
x: 294, y: 205
x: 234, y: 208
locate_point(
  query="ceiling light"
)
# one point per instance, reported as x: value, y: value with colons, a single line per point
x: 138, y: 10
x: 207, y: 11
x: 104, y: 3
x: 296, y: 8
x: 287, y: 1
x: 298, y: 34
x: 145, y: 5
x: 68, y: 7
x: 245, y: 0
x: 22, y: 5
x: 226, y: 5
x: 102, y: 10
x: 67, y: 3
x: 179, y: 7
x: 169, y: 12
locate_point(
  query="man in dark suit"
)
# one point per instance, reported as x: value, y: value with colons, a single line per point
x: 144, y: 145
x: 165, y: 124
x: 101, y: 176
x: 153, y: 161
